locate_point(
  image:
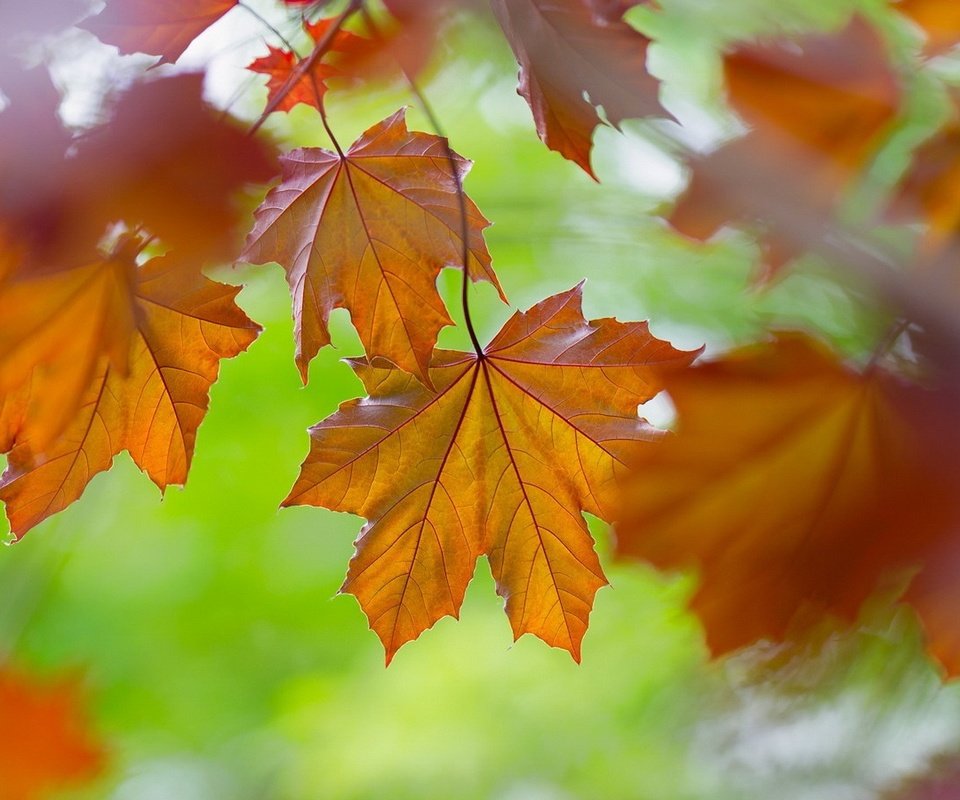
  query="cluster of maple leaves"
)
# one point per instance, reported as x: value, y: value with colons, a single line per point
x: 795, y: 482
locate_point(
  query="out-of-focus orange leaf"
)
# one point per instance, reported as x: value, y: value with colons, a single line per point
x: 575, y: 56
x: 184, y: 325
x: 47, y: 742
x: 162, y: 28
x: 369, y: 231
x: 940, y: 20
x: 817, y: 109
x: 499, y: 460
x: 169, y: 162
x: 794, y: 483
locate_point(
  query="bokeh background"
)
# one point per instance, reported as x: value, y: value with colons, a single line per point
x: 215, y: 657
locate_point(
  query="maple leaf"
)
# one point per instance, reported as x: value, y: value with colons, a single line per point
x: 47, y: 744
x: 793, y: 483
x: 817, y: 108
x: 185, y: 324
x: 57, y: 327
x: 309, y: 87
x: 940, y: 20
x: 572, y: 49
x: 499, y: 460
x: 162, y: 29
x: 279, y: 65
x: 369, y: 231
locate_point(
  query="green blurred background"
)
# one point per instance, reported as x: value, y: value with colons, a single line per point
x: 218, y: 661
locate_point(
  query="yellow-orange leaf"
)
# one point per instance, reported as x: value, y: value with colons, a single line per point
x: 793, y: 483
x: 500, y: 460
x: 940, y: 20
x: 47, y: 745
x: 185, y: 324
x: 369, y: 231
x: 57, y: 329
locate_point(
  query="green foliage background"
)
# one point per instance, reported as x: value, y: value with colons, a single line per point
x: 220, y: 664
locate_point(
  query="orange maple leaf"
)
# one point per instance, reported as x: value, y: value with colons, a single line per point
x: 499, y: 460
x: 817, y: 109
x: 58, y: 327
x: 940, y: 20
x: 369, y: 231
x: 184, y: 324
x: 165, y: 28
x: 280, y: 66
x: 794, y: 483
x: 47, y: 744
x: 575, y: 56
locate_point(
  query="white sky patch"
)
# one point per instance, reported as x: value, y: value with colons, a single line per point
x: 631, y: 160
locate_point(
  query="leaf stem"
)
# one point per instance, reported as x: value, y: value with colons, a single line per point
x: 306, y: 65
x: 323, y: 116
x: 455, y: 172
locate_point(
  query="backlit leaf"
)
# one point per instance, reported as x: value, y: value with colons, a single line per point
x: 499, y: 461
x: 369, y: 231
x: 185, y: 324
x: 308, y: 87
